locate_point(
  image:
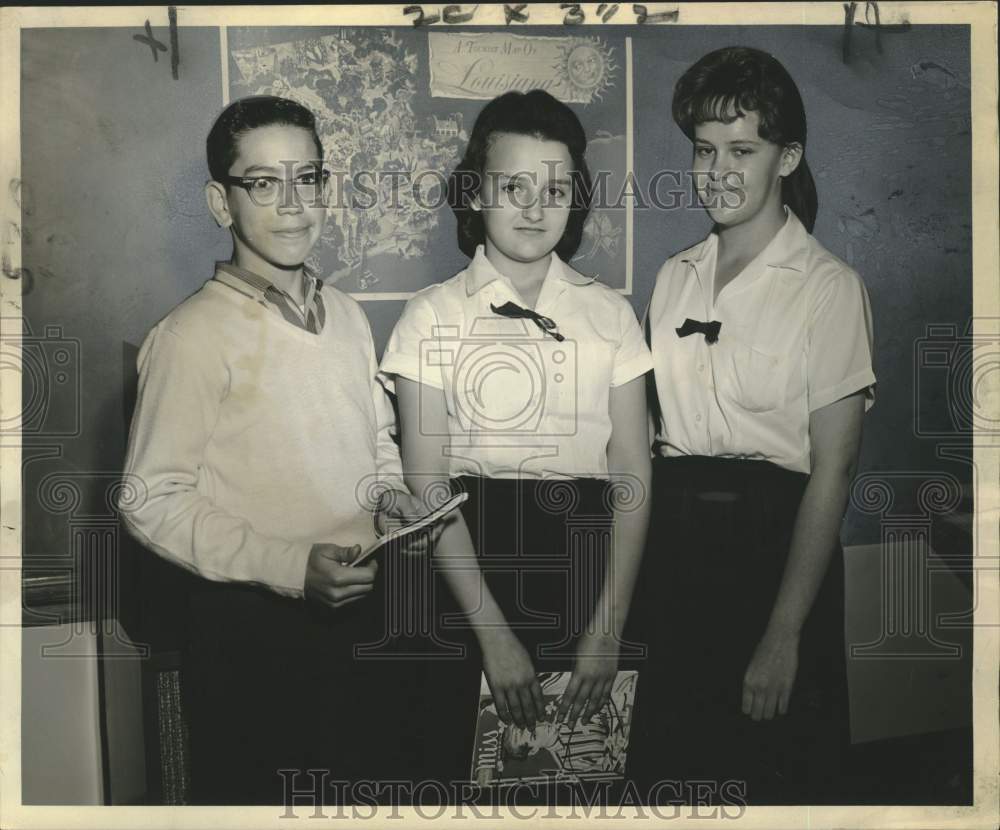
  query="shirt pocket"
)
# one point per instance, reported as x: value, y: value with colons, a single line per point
x: 758, y: 380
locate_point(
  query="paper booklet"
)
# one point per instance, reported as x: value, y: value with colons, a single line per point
x: 505, y: 754
x: 401, y: 532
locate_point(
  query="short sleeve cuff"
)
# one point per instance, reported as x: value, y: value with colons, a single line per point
x: 863, y: 380
x: 406, y: 366
x: 631, y: 369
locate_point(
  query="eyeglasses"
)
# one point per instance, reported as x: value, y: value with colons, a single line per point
x: 264, y: 190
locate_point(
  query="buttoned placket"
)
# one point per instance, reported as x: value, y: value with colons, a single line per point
x: 705, y: 364
x: 552, y: 289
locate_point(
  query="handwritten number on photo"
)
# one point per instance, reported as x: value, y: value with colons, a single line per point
x: 421, y: 19
x: 606, y: 13
x: 574, y: 14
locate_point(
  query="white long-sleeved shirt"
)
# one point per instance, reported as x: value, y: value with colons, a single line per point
x: 253, y: 439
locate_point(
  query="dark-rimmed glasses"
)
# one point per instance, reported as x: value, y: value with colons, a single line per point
x: 264, y: 190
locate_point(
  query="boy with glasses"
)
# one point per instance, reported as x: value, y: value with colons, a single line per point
x: 263, y: 441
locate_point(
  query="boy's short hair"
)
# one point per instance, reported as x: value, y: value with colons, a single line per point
x: 247, y: 114
x: 539, y: 115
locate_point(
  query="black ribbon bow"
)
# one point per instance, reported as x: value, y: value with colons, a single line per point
x: 710, y: 330
x: 514, y: 311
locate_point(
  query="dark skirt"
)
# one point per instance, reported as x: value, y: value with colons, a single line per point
x: 541, y: 546
x: 718, y: 543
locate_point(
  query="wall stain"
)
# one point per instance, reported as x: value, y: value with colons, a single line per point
x: 22, y: 195
x: 935, y: 74
x: 863, y: 226
x: 111, y: 133
x: 23, y: 275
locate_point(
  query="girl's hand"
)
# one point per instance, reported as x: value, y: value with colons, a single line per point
x: 511, y: 678
x: 593, y: 677
x: 768, y: 682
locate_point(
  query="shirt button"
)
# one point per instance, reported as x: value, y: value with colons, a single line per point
x: 698, y: 418
x: 701, y: 367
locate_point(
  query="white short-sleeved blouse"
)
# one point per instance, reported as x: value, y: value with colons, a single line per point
x: 796, y: 335
x: 520, y: 403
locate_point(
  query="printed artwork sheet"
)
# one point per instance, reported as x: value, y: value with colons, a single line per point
x: 551, y: 751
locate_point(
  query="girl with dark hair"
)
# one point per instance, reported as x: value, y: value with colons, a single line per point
x: 530, y: 114
x: 762, y: 353
x: 521, y: 382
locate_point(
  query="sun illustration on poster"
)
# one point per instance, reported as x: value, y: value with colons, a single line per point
x: 586, y: 68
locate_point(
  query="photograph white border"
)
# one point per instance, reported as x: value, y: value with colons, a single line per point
x: 982, y: 18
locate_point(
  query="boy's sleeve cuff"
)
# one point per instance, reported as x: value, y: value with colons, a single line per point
x: 289, y: 576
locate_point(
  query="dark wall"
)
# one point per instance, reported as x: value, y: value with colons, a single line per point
x: 889, y: 147
x: 116, y: 232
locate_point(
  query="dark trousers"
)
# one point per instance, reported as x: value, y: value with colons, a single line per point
x: 273, y: 684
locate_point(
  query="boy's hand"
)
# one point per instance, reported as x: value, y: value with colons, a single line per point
x: 329, y: 579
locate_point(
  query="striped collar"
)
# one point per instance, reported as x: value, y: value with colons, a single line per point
x: 311, y: 317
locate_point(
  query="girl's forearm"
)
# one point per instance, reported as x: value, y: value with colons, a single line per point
x: 628, y: 543
x: 423, y: 415
x: 814, y: 538
x: 455, y: 556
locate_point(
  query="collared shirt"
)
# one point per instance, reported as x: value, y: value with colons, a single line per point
x: 796, y: 336
x: 310, y: 316
x: 520, y: 404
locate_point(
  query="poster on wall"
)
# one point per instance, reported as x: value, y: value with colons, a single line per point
x: 107, y: 229
x: 395, y: 108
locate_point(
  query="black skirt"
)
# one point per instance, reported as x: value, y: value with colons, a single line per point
x: 542, y: 547
x: 718, y: 543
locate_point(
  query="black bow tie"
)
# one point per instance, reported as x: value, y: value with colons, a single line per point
x: 513, y: 310
x: 710, y: 330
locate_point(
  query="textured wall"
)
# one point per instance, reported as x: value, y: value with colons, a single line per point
x: 889, y: 146
x: 115, y: 230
